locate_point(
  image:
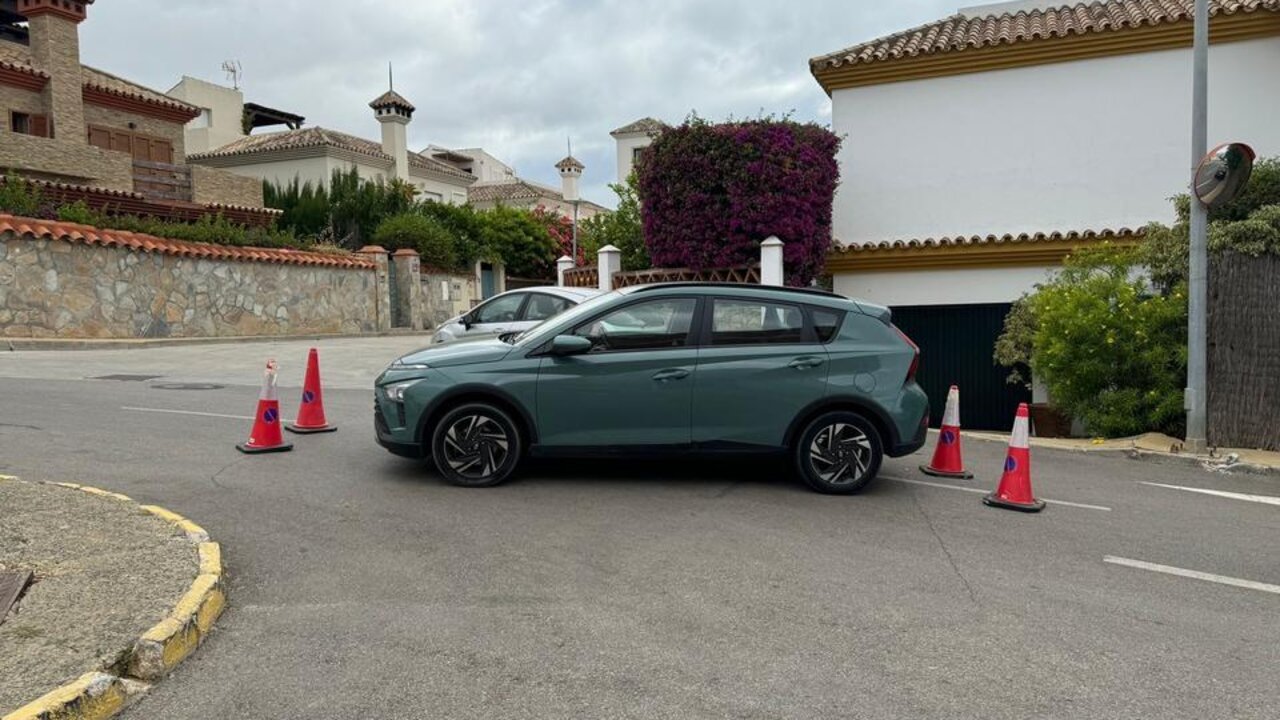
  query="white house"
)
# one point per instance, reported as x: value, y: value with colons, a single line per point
x: 980, y: 149
x: 630, y: 139
x: 477, y: 161
x: 314, y: 153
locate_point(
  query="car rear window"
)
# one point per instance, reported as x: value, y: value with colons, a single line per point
x: 755, y: 322
x: 826, y: 323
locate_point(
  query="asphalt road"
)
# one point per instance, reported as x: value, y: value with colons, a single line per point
x: 361, y: 586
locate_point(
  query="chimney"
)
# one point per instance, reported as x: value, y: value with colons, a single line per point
x: 55, y: 48
x: 570, y: 171
x: 394, y: 112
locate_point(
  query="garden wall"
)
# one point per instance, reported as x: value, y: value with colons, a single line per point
x: 1244, y: 352
x: 73, y: 281
x: 446, y: 294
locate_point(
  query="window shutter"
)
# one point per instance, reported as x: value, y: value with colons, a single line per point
x: 40, y: 125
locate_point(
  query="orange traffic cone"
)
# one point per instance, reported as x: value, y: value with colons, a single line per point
x: 1014, y: 491
x: 946, y: 456
x: 311, y: 412
x: 265, y: 436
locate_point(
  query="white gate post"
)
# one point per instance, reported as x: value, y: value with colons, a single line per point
x: 609, y: 261
x: 771, y: 270
x: 564, y: 263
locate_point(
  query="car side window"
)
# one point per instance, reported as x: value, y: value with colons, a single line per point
x: 650, y: 325
x: 755, y: 322
x: 542, y: 306
x: 503, y: 309
x: 826, y: 323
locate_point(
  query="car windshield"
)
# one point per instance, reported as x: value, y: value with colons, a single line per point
x: 538, y: 332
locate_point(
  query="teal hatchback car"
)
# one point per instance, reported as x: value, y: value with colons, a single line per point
x: 668, y: 369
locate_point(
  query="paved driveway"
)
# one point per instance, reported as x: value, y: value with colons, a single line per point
x: 361, y: 586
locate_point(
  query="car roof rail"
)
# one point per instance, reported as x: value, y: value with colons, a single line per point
x: 745, y: 286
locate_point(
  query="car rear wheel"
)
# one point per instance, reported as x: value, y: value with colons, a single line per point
x: 839, y: 452
x: 476, y: 445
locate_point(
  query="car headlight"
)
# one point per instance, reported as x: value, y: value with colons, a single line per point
x: 395, y: 391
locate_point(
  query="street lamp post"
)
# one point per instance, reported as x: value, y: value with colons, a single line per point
x: 1195, y: 400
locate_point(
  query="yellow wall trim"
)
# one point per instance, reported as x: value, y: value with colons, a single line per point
x: 1042, y: 51
x: 990, y: 254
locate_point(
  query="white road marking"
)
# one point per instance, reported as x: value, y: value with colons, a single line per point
x: 983, y: 491
x: 1265, y: 499
x: 1194, y: 574
x: 189, y: 412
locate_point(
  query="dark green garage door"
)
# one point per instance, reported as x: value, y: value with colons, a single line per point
x: 956, y: 343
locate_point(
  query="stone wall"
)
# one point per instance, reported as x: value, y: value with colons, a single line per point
x: 211, y: 185
x: 77, y: 163
x: 14, y: 99
x: 54, y: 287
x: 445, y: 295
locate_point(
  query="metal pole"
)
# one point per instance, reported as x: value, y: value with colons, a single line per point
x: 1198, y: 290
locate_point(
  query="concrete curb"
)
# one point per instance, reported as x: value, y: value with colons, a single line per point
x: 98, y: 695
x: 1227, y: 459
x: 29, y: 344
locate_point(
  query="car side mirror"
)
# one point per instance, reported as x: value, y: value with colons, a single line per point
x: 570, y: 345
x: 468, y: 321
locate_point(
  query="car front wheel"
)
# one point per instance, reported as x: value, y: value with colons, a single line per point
x: 839, y: 452
x: 476, y: 445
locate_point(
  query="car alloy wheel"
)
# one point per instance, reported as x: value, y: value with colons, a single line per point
x: 839, y: 452
x: 476, y: 445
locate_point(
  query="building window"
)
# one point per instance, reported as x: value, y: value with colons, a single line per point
x: 635, y: 154
x: 203, y: 120
x: 28, y: 124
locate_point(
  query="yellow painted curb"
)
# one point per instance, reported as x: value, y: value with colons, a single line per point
x: 93, y: 696
x: 99, y: 695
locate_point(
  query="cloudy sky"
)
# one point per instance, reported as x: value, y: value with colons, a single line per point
x: 512, y: 76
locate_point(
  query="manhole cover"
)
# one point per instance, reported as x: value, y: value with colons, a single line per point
x: 12, y: 583
x: 187, y: 386
x: 127, y: 378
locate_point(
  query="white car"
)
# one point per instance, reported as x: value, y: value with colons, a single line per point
x: 511, y: 311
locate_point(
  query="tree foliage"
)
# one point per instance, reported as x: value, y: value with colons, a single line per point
x: 346, y: 211
x: 621, y: 228
x: 1107, y: 335
x: 413, y: 230
x: 713, y: 192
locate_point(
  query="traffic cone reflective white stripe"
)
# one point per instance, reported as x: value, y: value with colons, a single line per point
x: 947, y: 461
x: 266, y: 436
x: 311, y: 412
x: 1014, y: 491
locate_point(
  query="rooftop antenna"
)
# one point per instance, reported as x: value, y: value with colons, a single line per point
x: 234, y: 72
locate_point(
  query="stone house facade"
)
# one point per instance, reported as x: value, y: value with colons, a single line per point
x: 67, y: 123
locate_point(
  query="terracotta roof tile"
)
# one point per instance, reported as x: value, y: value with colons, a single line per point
x: 963, y: 240
x: 18, y: 57
x: 323, y: 137
x: 959, y: 32
x: 72, y: 232
x: 508, y: 190
x: 644, y: 124
x: 391, y: 98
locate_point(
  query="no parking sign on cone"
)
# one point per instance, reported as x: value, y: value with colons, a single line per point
x: 1014, y: 491
x: 947, y: 461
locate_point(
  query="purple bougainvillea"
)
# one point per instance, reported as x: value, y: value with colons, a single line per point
x: 711, y: 193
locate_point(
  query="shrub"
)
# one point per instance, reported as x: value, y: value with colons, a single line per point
x: 19, y: 197
x: 620, y: 228
x: 712, y: 193
x: 413, y: 230
x: 523, y: 244
x: 348, y: 209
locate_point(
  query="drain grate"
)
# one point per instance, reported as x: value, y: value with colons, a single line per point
x: 127, y: 378
x: 186, y: 386
x: 12, y: 583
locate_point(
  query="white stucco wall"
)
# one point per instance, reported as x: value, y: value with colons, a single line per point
x: 961, y: 286
x: 225, y: 111
x: 626, y: 147
x: 315, y: 170
x: 1090, y: 144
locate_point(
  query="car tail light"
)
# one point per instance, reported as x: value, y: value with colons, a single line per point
x: 915, y: 361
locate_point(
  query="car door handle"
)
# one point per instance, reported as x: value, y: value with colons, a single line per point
x: 805, y: 363
x: 670, y: 374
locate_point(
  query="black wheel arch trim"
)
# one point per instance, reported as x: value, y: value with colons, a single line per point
x: 844, y: 402
x: 476, y: 391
